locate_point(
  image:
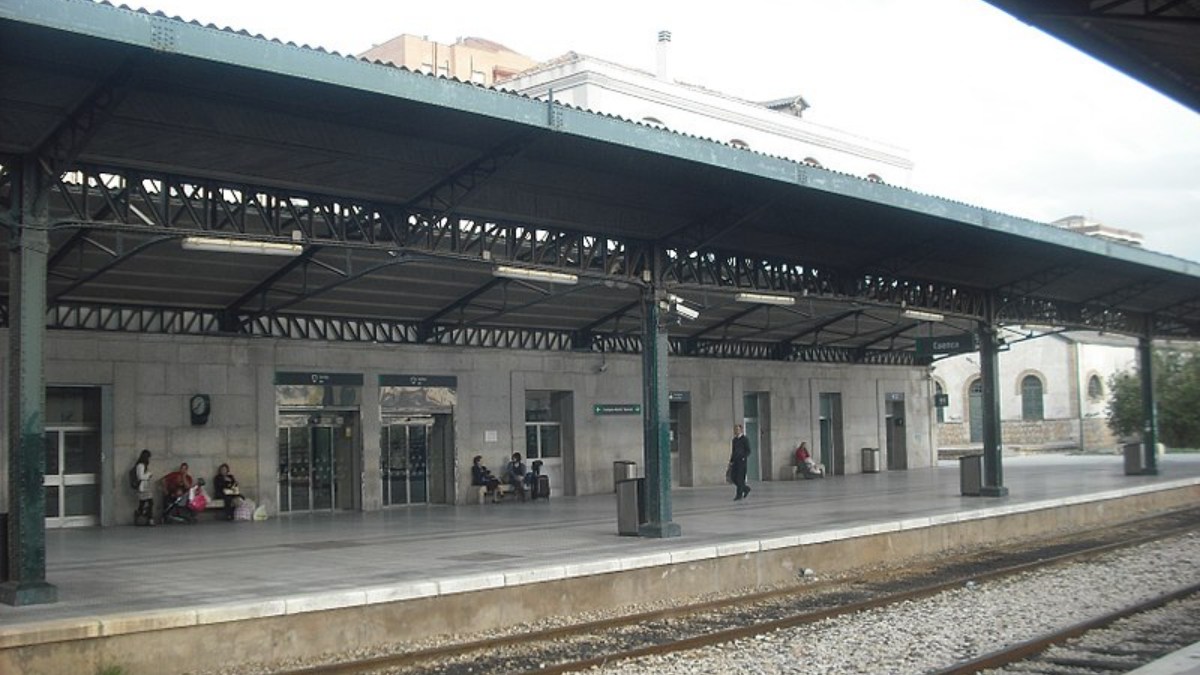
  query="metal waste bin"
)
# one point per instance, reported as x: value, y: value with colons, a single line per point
x: 970, y: 471
x: 631, y: 505
x: 623, y: 469
x: 1134, y: 464
x: 870, y: 460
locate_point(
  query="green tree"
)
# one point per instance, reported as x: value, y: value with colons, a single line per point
x: 1176, y: 392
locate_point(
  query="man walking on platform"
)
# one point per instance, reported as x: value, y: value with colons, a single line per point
x: 738, y: 458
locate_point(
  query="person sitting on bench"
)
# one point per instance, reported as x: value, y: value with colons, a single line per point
x: 516, y: 474
x: 481, y: 476
x: 805, y: 463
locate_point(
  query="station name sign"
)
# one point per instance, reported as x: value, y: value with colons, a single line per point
x: 949, y: 344
x: 617, y: 409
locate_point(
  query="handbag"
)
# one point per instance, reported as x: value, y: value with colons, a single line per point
x: 729, y: 474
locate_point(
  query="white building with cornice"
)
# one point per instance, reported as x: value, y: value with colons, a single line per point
x: 773, y: 128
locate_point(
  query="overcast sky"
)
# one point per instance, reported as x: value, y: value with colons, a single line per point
x: 994, y: 113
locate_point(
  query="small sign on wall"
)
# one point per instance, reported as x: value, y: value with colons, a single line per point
x: 490, y: 436
x: 617, y: 409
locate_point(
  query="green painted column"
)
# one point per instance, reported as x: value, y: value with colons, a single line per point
x: 1149, y: 406
x: 656, y: 420
x: 27, y: 584
x: 993, y: 446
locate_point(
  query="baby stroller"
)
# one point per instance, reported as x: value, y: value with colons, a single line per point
x: 183, y: 509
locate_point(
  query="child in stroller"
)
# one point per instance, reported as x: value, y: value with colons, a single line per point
x: 183, y: 507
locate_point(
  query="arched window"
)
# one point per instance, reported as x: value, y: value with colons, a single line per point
x: 1095, y: 388
x: 975, y: 410
x: 1031, y: 399
x: 739, y: 143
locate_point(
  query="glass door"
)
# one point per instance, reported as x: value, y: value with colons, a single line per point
x: 295, y: 461
x: 323, y: 485
x: 404, y: 460
x: 316, y: 463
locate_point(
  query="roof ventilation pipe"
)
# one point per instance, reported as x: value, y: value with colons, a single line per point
x: 664, y: 47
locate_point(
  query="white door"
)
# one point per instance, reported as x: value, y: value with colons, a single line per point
x: 72, y: 468
x: 544, y: 443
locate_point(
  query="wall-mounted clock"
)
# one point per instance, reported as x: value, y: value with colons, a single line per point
x: 200, y: 406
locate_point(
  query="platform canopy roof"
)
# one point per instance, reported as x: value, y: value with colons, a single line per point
x: 406, y: 191
x: 1156, y: 42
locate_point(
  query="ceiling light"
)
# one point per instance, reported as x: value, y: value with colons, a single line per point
x: 923, y: 316
x: 765, y: 298
x: 223, y: 245
x: 530, y: 274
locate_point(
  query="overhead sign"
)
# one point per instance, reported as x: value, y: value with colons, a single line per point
x: 450, y: 381
x: 342, y: 379
x: 949, y: 344
x: 617, y: 409
x: 941, y: 400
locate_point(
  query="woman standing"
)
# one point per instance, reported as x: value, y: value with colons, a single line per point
x: 145, y: 510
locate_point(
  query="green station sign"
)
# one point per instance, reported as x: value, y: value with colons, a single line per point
x: 617, y: 409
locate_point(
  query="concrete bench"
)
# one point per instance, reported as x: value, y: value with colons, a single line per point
x: 503, y: 489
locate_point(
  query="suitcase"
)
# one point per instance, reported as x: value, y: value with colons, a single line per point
x: 540, y: 488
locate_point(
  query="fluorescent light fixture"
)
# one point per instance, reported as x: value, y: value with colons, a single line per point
x: 765, y: 298
x: 923, y: 316
x: 530, y: 274
x: 223, y: 245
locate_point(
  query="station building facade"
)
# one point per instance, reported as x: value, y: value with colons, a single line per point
x: 313, y: 426
x: 1053, y: 392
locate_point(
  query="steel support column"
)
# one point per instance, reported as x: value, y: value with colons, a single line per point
x: 1149, y: 405
x: 656, y: 420
x: 989, y: 369
x: 28, y: 256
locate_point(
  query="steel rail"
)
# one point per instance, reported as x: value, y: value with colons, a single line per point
x: 488, y: 645
x: 1024, y: 650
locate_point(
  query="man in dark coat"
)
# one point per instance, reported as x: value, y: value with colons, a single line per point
x: 738, y: 457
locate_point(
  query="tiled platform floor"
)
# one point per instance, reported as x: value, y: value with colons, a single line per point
x: 103, y: 572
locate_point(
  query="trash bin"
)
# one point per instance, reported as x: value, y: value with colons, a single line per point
x: 623, y: 469
x: 970, y: 471
x: 631, y: 505
x: 1134, y: 464
x: 870, y: 460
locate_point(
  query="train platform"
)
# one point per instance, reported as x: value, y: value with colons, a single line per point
x: 474, y: 567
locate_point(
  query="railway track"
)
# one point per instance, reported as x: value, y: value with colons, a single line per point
x: 585, y: 645
x: 1118, y: 642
